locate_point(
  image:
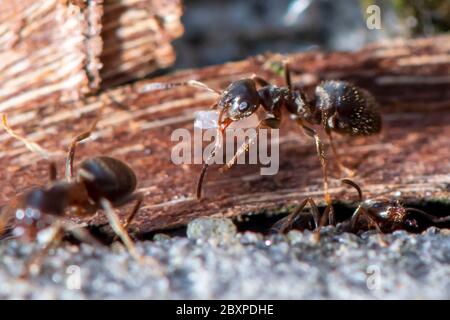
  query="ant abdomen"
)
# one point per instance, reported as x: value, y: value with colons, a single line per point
x: 107, y: 177
x: 348, y: 109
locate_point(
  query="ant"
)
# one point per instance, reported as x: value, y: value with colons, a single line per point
x: 101, y: 182
x: 383, y: 214
x: 388, y: 215
x: 338, y: 107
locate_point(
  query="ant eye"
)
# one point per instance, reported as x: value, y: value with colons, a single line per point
x: 241, y: 109
x: 243, y: 106
x: 411, y: 223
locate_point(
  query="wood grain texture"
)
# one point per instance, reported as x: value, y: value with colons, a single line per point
x: 55, y: 51
x: 49, y: 51
x: 411, y: 156
x: 137, y: 36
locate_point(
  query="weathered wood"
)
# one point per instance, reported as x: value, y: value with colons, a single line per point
x: 55, y: 51
x: 137, y: 38
x: 49, y: 51
x: 411, y: 157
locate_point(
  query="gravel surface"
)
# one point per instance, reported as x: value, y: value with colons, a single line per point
x: 215, y: 261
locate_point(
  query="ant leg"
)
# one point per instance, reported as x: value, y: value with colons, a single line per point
x: 328, y: 214
x: 271, y: 122
x: 139, y: 197
x: 206, y: 165
x: 33, y: 265
x: 287, y: 74
x: 355, y: 217
x: 112, y: 99
x: 52, y: 171
x: 123, y: 234
x: 342, y: 167
x: 80, y: 233
x: 115, y: 224
x: 262, y: 82
x: 286, y: 223
x: 370, y: 221
x: 380, y: 233
x: 321, y: 153
x: 71, y: 153
x: 190, y: 83
x: 220, y: 130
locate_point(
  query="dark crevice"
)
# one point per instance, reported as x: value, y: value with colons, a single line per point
x: 263, y: 222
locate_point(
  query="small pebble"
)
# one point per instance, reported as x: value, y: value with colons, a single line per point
x: 216, y: 229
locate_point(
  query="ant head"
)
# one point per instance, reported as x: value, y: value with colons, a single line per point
x: 37, y: 211
x: 396, y: 214
x: 240, y: 100
x: 347, y: 109
x: 52, y: 200
x: 411, y: 223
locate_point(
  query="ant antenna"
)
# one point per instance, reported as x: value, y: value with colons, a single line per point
x: 201, y: 178
x: 32, y: 146
x: 429, y: 217
x: 112, y: 99
x: 80, y: 137
x: 354, y: 185
x: 191, y: 83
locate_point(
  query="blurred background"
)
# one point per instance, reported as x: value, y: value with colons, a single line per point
x: 226, y: 30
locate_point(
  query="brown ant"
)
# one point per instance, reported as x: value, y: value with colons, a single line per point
x: 338, y: 107
x: 100, y: 183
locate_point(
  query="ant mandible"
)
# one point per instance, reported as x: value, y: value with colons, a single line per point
x: 338, y: 107
x: 100, y: 183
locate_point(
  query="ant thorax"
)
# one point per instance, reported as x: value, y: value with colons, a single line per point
x: 272, y: 96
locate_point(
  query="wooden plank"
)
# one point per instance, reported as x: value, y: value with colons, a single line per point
x: 56, y: 51
x: 410, y: 158
x: 137, y: 36
x: 49, y: 51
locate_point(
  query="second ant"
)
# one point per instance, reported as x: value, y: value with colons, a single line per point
x: 101, y: 182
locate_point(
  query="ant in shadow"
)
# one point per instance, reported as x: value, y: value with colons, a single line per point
x: 382, y: 214
x: 338, y: 106
x: 100, y: 182
x: 387, y: 215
